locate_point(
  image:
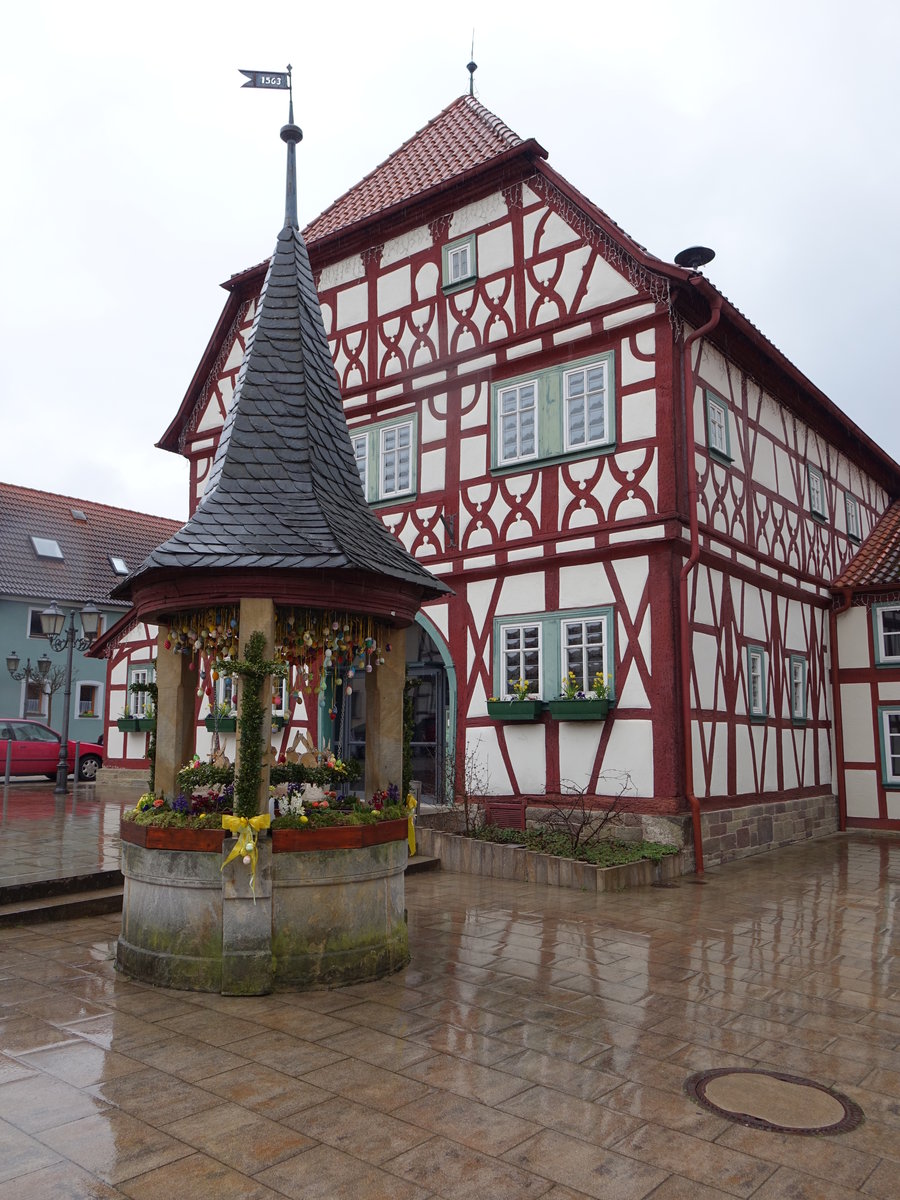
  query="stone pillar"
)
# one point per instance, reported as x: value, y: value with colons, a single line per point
x: 258, y: 614
x: 176, y: 722
x: 384, y: 721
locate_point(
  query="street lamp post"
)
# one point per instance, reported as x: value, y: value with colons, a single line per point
x: 52, y: 621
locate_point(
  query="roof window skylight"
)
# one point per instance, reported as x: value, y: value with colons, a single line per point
x: 77, y: 514
x: 46, y: 547
x: 119, y: 565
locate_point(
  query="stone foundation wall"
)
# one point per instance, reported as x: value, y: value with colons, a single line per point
x: 731, y: 833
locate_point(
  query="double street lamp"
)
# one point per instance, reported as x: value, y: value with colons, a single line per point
x: 53, y: 621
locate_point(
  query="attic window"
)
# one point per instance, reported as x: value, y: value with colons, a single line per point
x: 119, y: 565
x: 46, y: 547
x: 77, y: 514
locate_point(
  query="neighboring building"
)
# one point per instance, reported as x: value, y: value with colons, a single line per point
x: 74, y: 552
x: 867, y: 686
x: 612, y: 468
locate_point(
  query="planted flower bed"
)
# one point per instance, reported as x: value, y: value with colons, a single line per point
x: 547, y: 856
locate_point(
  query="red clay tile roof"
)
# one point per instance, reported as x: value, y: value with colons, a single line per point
x: 84, y: 572
x: 463, y: 136
x: 877, y: 562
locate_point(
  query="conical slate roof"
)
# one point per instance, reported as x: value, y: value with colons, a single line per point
x: 284, y: 491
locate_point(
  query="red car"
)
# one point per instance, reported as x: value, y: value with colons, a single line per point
x: 35, y: 751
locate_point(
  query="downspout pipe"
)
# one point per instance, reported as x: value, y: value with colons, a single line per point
x: 838, y: 718
x: 687, y: 568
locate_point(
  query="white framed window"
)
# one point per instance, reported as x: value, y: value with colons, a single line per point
x: 459, y: 263
x: 396, y: 459
x: 584, y: 650
x: 88, y: 699
x: 817, y: 502
x: 585, y: 393
x: 544, y: 647
x: 518, y: 422
x: 361, y: 454
x: 797, y: 674
x: 851, y: 506
x: 757, y: 704
x: 35, y: 699
x: 566, y: 411
x: 886, y: 621
x: 889, y: 735
x: 386, y: 458
x: 138, y: 702
x: 521, y: 657
x: 718, y: 426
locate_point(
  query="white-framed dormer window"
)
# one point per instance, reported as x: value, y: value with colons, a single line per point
x: 798, y: 687
x: 518, y: 422
x: 585, y: 397
x: 396, y: 459
x: 757, y: 705
x: 361, y: 454
x: 817, y: 503
x: 718, y: 428
x: 853, y: 524
x: 886, y: 630
x: 459, y: 263
x: 520, y: 657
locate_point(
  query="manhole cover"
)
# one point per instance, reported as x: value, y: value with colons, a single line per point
x: 769, y: 1100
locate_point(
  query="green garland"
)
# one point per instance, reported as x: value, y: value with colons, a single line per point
x: 253, y: 670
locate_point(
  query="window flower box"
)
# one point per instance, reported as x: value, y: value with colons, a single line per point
x: 578, y: 710
x: 514, y: 710
x: 223, y: 724
x: 136, y: 724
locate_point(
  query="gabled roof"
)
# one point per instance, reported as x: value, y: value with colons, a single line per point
x: 464, y: 136
x: 877, y: 562
x: 284, y: 491
x: 84, y: 572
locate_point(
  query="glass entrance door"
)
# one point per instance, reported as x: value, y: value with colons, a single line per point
x: 429, y: 698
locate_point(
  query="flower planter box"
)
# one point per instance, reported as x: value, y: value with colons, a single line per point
x: 578, y: 710
x: 514, y: 710
x: 470, y: 856
x: 136, y: 724
x: 206, y: 841
x: 339, y: 837
x: 224, y: 724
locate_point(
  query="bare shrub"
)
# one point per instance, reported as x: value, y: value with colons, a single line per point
x: 579, y: 818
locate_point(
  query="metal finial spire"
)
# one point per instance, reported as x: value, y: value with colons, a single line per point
x: 472, y: 67
x: 292, y: 134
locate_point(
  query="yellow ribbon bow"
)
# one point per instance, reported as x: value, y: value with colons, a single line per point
x: 411, y: 829
x: 246, y: 829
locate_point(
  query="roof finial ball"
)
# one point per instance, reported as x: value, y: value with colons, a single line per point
x: 471, y: 67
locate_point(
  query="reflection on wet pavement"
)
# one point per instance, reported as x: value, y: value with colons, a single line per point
x: 537, y: 1046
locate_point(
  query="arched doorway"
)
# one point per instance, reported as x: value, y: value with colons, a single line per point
x: 433, y: 689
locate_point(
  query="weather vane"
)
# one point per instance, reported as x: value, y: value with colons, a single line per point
x: 290, y: 133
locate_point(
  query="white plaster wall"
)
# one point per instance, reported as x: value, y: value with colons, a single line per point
x: 431, y: 478
x: 638, y: 416
x: 433, y: 422
x: 893, y: 805
x: 352, y: 306
x: 522, y: 594
x: 705, y: 649
x: 862, y: 793
x: 495, y: 250
x: 394, y: 289
x: 605, y: 286
x: 398, y: 248
x: 859, y: 735
x: 482, y: 212
x: 473, y: 457
x: 633, y: 369
x: 528, y: 757
x: 630, y: 748
x: 427, y: 278
x: 853, y: 638
x: 341, y: 272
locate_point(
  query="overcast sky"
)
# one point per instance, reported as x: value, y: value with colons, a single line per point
x: 138, y: 176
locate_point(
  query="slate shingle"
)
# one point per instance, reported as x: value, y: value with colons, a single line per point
x: 284, y: 490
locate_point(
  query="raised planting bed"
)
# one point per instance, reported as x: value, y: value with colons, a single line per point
x: 474, y: 856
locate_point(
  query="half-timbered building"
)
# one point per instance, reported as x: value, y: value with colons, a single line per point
x: 610, y: 466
